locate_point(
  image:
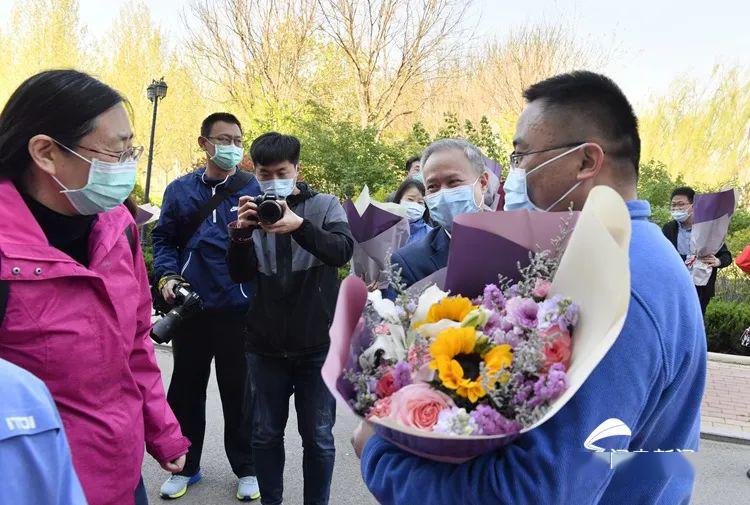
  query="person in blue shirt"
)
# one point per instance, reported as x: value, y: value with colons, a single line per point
x: 34, y: 453
x: 411, y: 196
x: 217, y: 332
x: 455, y: 183
x: 578, y: 131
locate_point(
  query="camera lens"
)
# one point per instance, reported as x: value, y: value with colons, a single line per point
x: 270, y: 211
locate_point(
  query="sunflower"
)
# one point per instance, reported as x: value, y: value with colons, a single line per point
x: 454, y: 308
x: 458, y: 362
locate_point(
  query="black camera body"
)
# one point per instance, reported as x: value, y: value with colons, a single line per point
x: 270, y: 209
x: 187, y: 303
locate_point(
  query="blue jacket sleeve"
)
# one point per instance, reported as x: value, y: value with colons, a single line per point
x: 41, y: 466
x: 164, y: 237
x: 548, y: 464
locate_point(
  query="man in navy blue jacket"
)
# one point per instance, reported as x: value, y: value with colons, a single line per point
x: 455, y: 181
x: 578, y: 131
x: 218, y: 331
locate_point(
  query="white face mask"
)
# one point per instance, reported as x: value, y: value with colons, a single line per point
x: 446, y: 204
x: 414, y: 210
x: 517, y: 191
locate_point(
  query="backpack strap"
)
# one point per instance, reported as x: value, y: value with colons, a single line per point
x: 241, y: 179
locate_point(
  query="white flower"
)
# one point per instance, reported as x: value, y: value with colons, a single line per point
x: 392, y: 344
x: 385, y: 308
x: 431, y: 331
x: 427, y: 299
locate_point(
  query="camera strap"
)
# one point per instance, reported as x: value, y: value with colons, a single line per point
x: 240, y: 180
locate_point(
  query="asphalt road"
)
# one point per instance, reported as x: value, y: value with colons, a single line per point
x: 720, y: 467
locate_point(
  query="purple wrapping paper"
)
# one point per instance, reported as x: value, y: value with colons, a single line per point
x: 502, y: 240
x: 712, y: 214
x: 371, y: 223
x: 712, y: 206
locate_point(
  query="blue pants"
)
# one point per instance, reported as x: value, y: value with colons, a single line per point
x: 273, y: 380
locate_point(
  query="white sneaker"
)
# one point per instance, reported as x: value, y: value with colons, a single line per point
x: 176, y: 486
x: 248, y: 489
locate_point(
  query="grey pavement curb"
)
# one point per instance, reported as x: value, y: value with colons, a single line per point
x: 726, y: 435
x: 729, y: 358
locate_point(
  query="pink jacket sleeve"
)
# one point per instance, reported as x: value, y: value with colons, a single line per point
x: 164, y: 440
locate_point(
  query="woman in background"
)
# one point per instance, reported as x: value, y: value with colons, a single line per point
x: 411, y: 196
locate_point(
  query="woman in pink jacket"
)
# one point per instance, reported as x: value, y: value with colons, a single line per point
x: 78, y: 308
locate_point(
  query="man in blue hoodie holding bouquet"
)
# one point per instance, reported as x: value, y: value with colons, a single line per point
x: 578, y: 131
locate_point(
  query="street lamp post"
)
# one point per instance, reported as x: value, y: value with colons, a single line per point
x: 155, y: 91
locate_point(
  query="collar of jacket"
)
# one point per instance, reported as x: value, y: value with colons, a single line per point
x: 21, y: 235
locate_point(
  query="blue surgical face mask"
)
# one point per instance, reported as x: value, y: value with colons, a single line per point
x: 279, y: 187
x: 517, y: 191
x: 418, y: 177
x: 680, y: 215
x: 109, y: 184
x: 227, y: 157
x: 446, y: 204
x: 414, y: 210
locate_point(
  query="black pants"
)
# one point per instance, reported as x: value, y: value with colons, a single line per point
x: 273, y: 381
x: 207, y: 336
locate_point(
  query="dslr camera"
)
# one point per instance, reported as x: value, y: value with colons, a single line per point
x: 187, y: 303
x: 270, y: 209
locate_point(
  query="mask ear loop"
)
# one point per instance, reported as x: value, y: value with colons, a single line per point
x: 90, y: 162
x: 526, y: 181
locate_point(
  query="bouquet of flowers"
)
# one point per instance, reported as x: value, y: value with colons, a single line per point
x: 448, y: 377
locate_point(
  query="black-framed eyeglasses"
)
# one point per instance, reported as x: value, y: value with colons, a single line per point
x: 130, y: 154
x: 515, y: 158
x: 226, y: 140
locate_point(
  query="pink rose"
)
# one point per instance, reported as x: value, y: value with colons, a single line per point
x: 381, y: 408
x: 558, y: 351
x: 386, y: 386
x: 541, y: 288
x: 418, y: 406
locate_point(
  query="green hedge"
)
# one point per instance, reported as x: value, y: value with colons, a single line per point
x: 725, y: 323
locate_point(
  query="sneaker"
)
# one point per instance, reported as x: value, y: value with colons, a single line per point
x: 176, y: 486
x: 248, y: 489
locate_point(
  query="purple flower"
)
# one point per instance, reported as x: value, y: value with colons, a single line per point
x: 493, y: 298
x: 549, y: 312
x: 524, y: 388
x: 522, y: 312
x: 493, y: 323
x: 401, y: 375
x: 570, y: 316
x: 550, y: 386
x: 491, y: 422
x: 500, y: 337
x: 455, y: 421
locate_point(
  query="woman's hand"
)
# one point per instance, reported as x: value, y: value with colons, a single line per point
x: 175, y: 466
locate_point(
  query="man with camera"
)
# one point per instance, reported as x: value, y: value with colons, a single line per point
x: 291, y: 242
x: 190, y: 245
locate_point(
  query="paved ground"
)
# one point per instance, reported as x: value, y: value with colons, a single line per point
x: 720, y: 467
x: 726, y: 403
x: 219, y: 486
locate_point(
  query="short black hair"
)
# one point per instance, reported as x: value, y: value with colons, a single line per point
x: 63, y: 104
x: 686, y: 191
x: 273, y: 147
x: 406, y: 186
x: 411, y: 161
x: 214, y: 118
x: 602, y: 102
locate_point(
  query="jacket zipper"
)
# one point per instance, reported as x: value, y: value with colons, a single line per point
x: 213, y: 193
